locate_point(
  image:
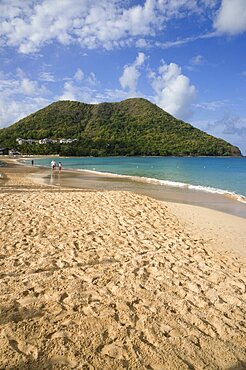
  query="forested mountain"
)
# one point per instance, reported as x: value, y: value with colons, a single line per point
x: 131, y: 127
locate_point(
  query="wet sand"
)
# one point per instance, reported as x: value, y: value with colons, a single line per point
x: 117, y: 280
x: 90, y: 181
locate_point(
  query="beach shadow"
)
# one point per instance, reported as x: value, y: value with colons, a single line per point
x: 47, y: 365
x: 239, y: 366
x: 33, y: 365
x: 16, y: 313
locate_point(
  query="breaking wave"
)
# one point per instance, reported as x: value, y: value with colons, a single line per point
x: 176, y: 184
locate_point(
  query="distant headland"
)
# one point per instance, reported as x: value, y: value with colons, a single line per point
x: 131, y: 127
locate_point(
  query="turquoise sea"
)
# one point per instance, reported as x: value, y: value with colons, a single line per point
x: 207, y: 174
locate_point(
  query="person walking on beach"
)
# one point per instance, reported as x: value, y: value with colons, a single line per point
x: 53, y: 164
x: 60, y: 167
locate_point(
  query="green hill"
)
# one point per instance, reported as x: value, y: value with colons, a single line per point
x: 130, y: 127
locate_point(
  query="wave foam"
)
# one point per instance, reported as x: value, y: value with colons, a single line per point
x: 176, y: 184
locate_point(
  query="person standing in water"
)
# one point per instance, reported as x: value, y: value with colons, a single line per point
x: 53, y: 164
x: 60, y: 167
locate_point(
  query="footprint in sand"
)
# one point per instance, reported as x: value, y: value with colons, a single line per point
x: 26, y: 349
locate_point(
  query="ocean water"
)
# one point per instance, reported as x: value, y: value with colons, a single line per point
x: 209, y: 174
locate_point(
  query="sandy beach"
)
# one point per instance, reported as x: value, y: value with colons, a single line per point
x: 117, y: 280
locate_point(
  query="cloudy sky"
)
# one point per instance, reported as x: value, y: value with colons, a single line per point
x: 186, y: 56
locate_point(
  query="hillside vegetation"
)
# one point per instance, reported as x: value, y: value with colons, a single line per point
x: 130, y: 127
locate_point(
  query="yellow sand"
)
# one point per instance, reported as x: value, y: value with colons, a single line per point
x: 114, y: 280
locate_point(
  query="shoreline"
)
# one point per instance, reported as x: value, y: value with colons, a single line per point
x: 113, y: 280
x: 215, y: 207
x: 212, y: 218
x: 164, y: 182
x: 88, y: 179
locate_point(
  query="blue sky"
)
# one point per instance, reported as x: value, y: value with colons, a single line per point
x: 186, y: 56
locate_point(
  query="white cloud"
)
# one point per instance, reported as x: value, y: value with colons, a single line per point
x: 79, y: 75
x: 21, y: 85
x: 70, y: 92
x: 186, y: 40
x: 20, y: 96
x: 197, y: 60
x: 140, y: 59
x: 92, y: 80
x: 46, y: 76
x: 14, y: 110
x: 173, y: 90
x: 113, y: 95
x: 88, y: 23
x: 88, y: 95
x: 29, y: 25
x: 89, y: 91
x: 213, y: 106
x: 131, y: 74
x: 229, y: 127
x: 141, y: 43
x: 74, y: 90
x: 20, y: 73
x: 129, y: 78
x: 28, y: 87
x: 230, y: 124
x: 231, y: 17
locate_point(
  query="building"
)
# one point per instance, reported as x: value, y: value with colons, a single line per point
x: 14, y: 152
x: 67, y: 141
x: 45, y: 141
x: 20, y: 141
